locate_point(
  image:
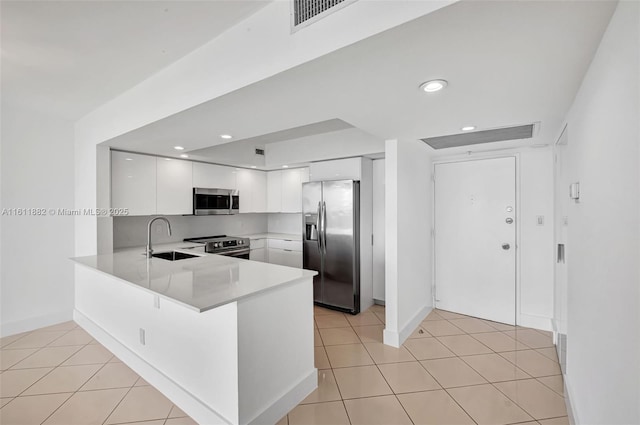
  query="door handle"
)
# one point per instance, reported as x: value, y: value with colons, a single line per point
x: 319, y: 228
x: 508, y: 220
x: 324, y: 226
x: 506, y: 246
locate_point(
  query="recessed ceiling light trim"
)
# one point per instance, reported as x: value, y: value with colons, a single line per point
x: 226, y: 136
x: 178, y: 148
x: 468, y: 128
x: 184, y: 155
x: 433, y: 86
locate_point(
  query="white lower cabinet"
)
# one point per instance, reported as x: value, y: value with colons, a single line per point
x: 258, y: 254
x: 285, y: 257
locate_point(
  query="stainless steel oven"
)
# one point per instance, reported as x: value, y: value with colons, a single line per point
x: 240, y: 253
x: 232, y: 246
x: 215, y: 201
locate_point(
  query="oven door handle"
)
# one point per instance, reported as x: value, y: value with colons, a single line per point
x: 235, y: 251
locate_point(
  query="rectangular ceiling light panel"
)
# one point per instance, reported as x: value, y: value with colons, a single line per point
x: 479, y: 137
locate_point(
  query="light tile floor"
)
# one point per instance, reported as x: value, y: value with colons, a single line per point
x: 454, y: 369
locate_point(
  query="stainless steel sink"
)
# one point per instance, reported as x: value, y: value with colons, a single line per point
x: 174, y: 255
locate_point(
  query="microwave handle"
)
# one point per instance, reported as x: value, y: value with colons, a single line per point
x: 230, y: 202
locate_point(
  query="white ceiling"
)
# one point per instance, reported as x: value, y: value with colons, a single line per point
x: 507, y: 63
x: 68, y: 57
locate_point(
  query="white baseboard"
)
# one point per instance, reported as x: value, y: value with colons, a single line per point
x: 535, y: 322
x: 286, y: 403
x: 186, y: 401
x: 397, y: 338
x: 12, y: 328
x: 571, y: 413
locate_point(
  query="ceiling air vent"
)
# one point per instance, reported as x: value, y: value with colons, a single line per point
x: 479, y: 137
x: 308, y: 11
x: 259, y: 151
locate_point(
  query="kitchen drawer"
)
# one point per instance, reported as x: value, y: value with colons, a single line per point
x: 288, y: 245
x: 285, y: 258
x: 257, y: 243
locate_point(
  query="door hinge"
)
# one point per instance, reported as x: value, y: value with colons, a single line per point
x: 433, y: 233
x: 372, y: 239
x: 433, y: 177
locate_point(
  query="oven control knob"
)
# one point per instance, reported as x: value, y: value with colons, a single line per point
x: 240, y: 242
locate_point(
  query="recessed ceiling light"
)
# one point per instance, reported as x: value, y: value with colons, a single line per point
x: 433, y: 85
x: 167, y: 159
x: 285, y: 166
x: 226, y: 136
x: 184, y: 155
x: 253, y: 166
x: 128, y: 159
x: 468, y: 128
x: 178, y: 148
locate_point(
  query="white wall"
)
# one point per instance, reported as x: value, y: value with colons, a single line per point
x: 37, y: 172
x: 378, y: 230
x: 535, y: 293
x: 132, y: 231
x: 534, y: 289
x: 408, y: 258
x: 603, y: 323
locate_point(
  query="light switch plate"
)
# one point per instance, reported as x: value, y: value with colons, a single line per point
x: 540, y: 220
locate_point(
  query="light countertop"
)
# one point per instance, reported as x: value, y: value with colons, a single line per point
x: 200, y: 283
x: 285, y: 236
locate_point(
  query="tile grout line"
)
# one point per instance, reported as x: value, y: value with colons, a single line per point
x: 382, y: 374
x: 120, y: 402
x: 492, y: 383
x: 48, y: 373
x: 72, y: 393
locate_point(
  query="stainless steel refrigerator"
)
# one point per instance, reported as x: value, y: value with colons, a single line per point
x: 331, y: 226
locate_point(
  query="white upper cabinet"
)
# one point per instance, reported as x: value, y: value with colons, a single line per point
x: 284, y: 190
x: 213, y: 176
x: 274, y: 191
x: 339, y: 169
x: 292, y: 189
x: 174, y: 187
x: 252, y: 185
x: 133, y: 182
x: 259, y: 192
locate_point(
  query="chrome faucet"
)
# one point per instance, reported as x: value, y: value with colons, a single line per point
x: 149, y: 249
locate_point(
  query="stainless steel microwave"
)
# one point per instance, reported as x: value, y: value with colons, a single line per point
x: 215, y: 201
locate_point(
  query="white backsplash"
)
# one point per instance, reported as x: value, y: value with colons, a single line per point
x: 285, y: 223
x: 132, y: 231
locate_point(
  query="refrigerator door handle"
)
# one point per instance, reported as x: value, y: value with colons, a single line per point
x: 324, y: 227
x: 318, y: 227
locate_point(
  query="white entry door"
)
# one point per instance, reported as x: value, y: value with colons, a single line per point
x: 475, y: 238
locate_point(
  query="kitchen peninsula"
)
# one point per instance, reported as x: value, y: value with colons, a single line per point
x: 230, y: 341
